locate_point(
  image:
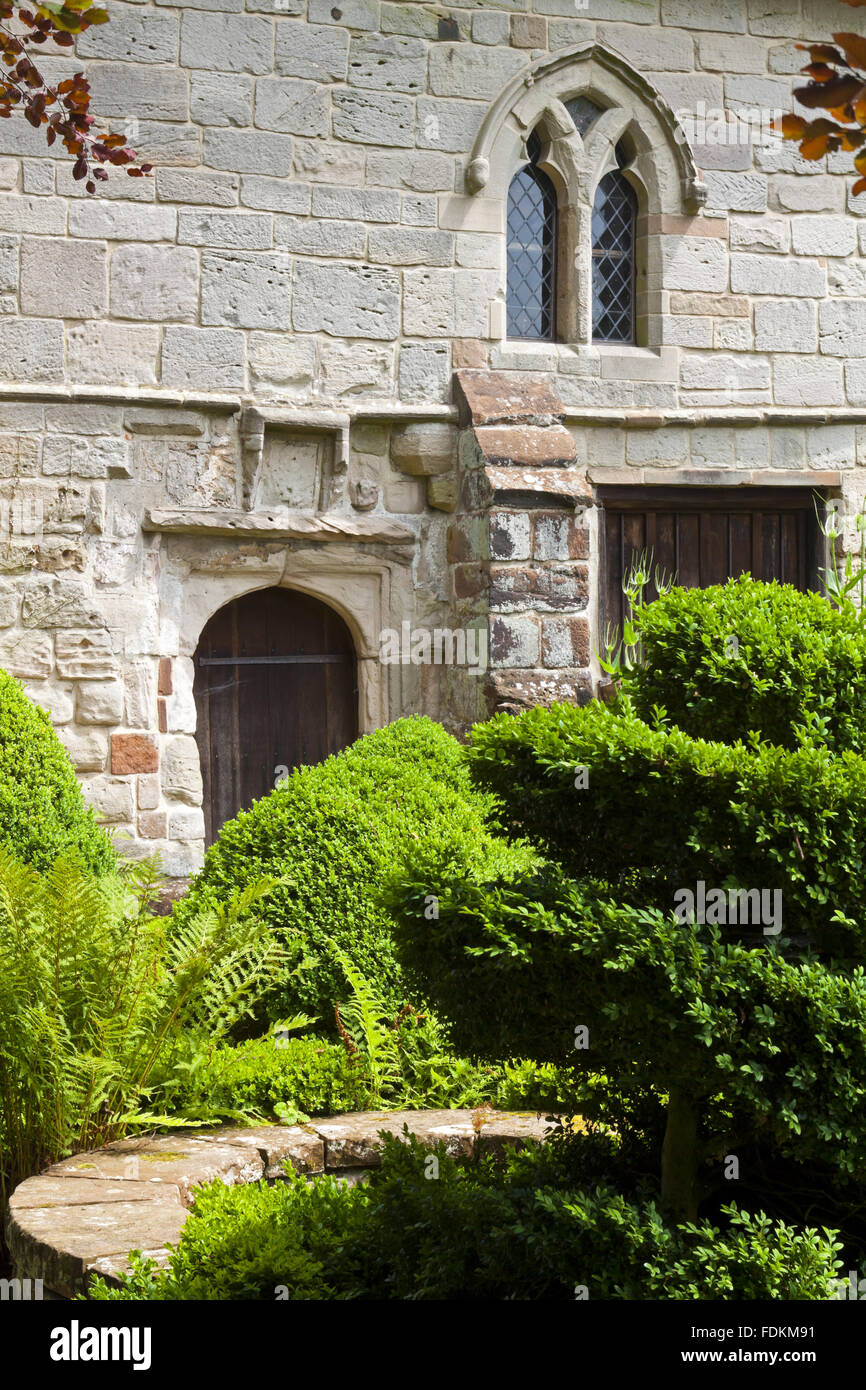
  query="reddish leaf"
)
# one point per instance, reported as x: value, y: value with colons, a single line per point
x: 855, y: 48
x: 830, y: 94
x: 820, y: 72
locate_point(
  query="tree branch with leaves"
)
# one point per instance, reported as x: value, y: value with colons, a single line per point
x: 64, y: 109
x: 837, y: 85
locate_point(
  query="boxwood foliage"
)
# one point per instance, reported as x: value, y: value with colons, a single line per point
x: 651, y: 810
x: 768, y: 1050
x: 331, y: 835
x: 480, y: 1231
x: 42, y: 811
x: 746, y: 656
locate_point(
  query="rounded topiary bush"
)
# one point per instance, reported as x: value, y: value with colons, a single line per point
x: 333, y: 835
x: 42, y: 811
x: 745, y: 656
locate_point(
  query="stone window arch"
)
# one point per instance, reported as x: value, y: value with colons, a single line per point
x: 593, y: 116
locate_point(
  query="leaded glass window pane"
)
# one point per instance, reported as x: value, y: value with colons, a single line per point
x: 583, y: 111
x: 613, y: 254
x: 531, y: 254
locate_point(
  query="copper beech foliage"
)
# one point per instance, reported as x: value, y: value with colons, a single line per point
x: 63, y: 109
x: 837, y: 85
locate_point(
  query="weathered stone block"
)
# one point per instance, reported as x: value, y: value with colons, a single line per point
x: 565, y: 642
x: 356, y: 204
x: 424, y: 373
x: 823, y: 236
x: 242, y: 231
x: 842, y: 323
x: 203, y: 359
x: 736, y: 192
x: 63, y: 279
x: 779, y: 275
x: 350, y: 369
x: 354, y: 14
x: 785, y: 325
x: 373, y: 118
x: 227, y: 43
x: 308, y: 237
x: 95, y: 457
x: 110, y: 797
x: 157, y: 283
x: 87, y: 752
x: 805, y: 381
x: 152, y: 825
x: 817, y: 193
x: 292, y: 106
x: 58, y: 603
x: 277, y: 195
x: 693, y: 263
x: 26, y: 654
x: 127, y: 90
x: 458, y: 70
x: 280, y: 363
x: 112, y: 353
x: 84, y: 654
x: 320, y: 52
x: 510, y: 535
x: 411, y: 246
x: 186, y: 825
x: 246, y: 290
x: 134, y: 35
x: 133, y: 753
x: 514, y: 641
x: 187, y: 186
x: 219, y: 100
x: 422, y: 171
x: 122, y: 221
x: 99, y: 702
x: 424, y: 448
x: 388, y: 64
x: 181, y: 771
x: 346, y: 300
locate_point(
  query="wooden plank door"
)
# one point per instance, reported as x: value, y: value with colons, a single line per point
x: 275, y: 687
x: 703, y: 536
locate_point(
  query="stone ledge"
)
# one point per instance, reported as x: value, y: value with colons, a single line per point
x: 276, y: 526
x: 82, y: 1216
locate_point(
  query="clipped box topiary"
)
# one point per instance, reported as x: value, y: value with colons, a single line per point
x: 42, y: 811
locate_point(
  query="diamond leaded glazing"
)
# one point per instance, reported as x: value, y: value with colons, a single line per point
x: 531, y: 252
x: 613, y: 234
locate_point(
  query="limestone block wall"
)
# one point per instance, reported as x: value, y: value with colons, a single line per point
x: 309, y: 234
x: 320, y: 249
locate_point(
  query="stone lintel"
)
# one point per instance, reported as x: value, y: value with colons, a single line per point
x: 276, y: 526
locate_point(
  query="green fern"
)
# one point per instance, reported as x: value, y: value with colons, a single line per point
x: 365, y: 1018
x: 105, y: 1012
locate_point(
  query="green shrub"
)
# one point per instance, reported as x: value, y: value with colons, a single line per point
x: 332, y: 834
x: 649, y: 811
x: 750, y: 656
x: 310, y: 1075
x: 42, y: 812
x: 314, y: 1076
x: 480, y: 1231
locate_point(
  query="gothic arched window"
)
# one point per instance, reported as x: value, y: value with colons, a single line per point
x: 531, y: 250
x: 614, y: 216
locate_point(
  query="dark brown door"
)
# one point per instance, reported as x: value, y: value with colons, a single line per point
x: 275, y: 688
x: 703, y: 536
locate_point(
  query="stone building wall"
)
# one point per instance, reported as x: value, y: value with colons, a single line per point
x: 261, y: 365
